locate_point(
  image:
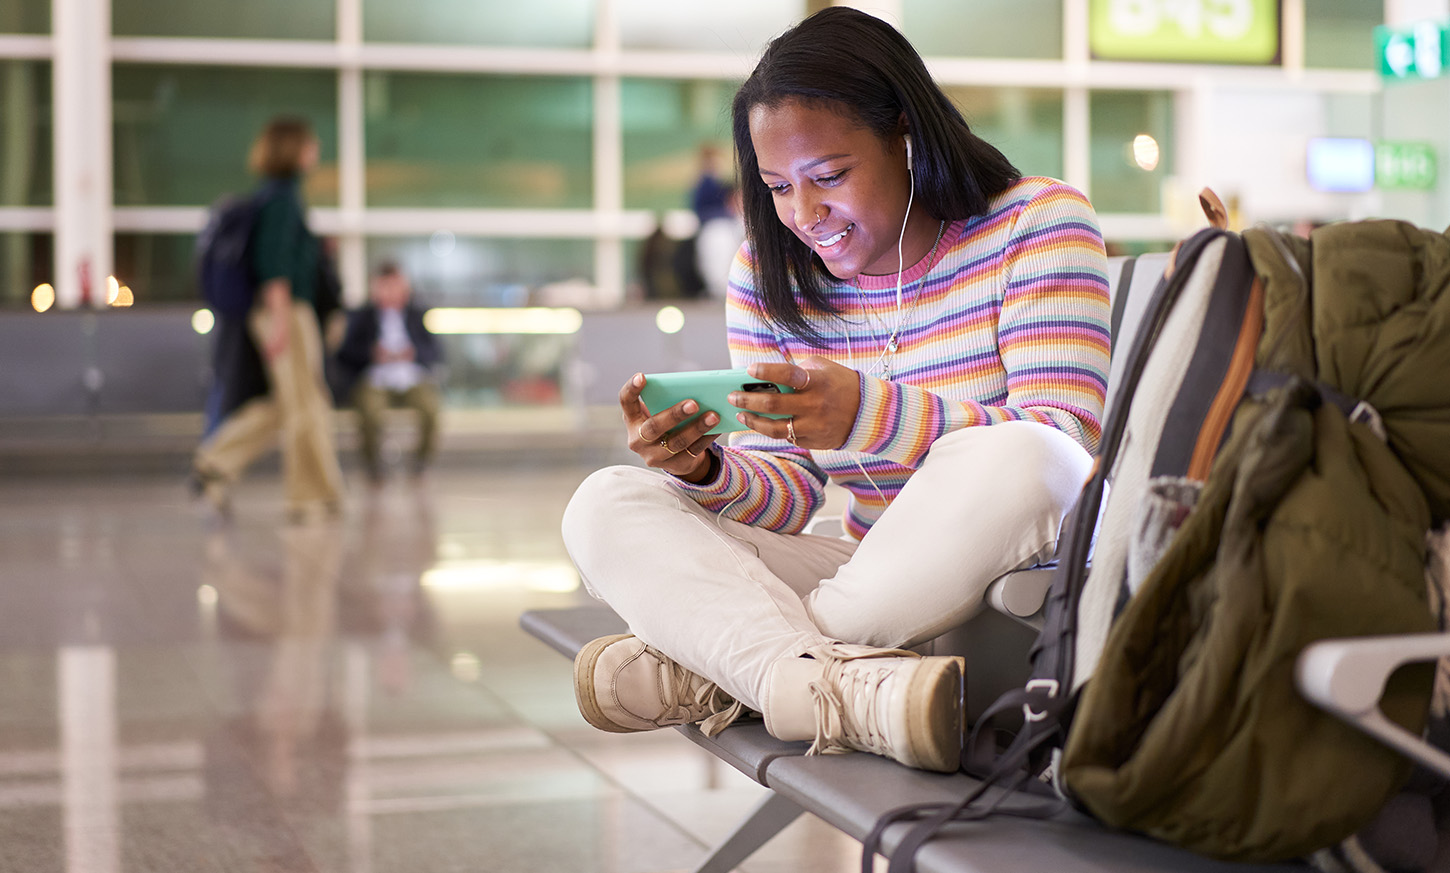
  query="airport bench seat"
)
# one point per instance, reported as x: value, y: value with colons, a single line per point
x: 852, y: 791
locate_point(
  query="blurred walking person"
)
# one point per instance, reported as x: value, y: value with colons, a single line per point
x: 284, y: 257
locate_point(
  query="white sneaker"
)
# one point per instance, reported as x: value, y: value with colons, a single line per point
x: 888, y: 702
x: 623, y: 685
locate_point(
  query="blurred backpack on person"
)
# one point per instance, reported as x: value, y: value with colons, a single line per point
x: 223, y: 252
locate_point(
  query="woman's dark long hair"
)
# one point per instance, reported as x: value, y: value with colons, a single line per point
x: 850, y: 62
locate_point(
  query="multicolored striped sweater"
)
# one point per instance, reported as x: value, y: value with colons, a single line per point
x: 1009, y: 322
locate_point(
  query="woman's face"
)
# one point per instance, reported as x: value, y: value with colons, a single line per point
x: 838, y: 187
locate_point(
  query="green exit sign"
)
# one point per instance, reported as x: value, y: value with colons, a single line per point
x: 1417, y: 52
x: 1405, y: 165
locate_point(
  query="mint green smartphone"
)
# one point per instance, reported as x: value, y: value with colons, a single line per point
x: 709, y: 388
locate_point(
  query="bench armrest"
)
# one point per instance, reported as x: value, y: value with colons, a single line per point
x: 1021, y: 593
x: 1347, y: 677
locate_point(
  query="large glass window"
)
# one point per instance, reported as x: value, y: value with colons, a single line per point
x: 1131, y: 149
x: 538, y: 23
x: 479, y: 141
x: 1024, y: 123
x: 666, y: 125
x: 252, y: 19
x: 487, y: 364
x: 26, y: 178
x: 450, y: 270
x: 740, y: 27
x: 157, y: 267
x: 1340, y: 33
x: 182, y: 133
x: 26, y: 260
x: 25, y: 16
x: 501, y: 369
x: 984, y: 28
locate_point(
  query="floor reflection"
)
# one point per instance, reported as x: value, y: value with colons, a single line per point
x: 353, y: 696
x: 281, y: 748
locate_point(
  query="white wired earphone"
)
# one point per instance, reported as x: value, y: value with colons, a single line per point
x: 890, y: 345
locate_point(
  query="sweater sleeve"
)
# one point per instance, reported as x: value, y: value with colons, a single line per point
x: 1052, y: 338
x: 763, y: 482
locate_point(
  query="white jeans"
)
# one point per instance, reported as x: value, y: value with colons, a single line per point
x: 727, y: 600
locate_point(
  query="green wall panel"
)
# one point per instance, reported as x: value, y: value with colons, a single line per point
x: 984, y: 28
x: 182, y: 133
x: 1118, y: 184
x: 225, y: 19
x: 26, y: 134
x: 1024, y: 123
x: 665, y: 123
x: 25, y: 16
x: 479, y: 141
x: 538, y: 23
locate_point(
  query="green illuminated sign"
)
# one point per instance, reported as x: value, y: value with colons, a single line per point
x: 1405, y: 165
x: 1417, y: 52
x: 1201, y: 31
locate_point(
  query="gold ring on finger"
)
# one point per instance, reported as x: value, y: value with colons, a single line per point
x: 790, y: 430
x: 666, y: 443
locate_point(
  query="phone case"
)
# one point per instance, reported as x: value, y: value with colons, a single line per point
x: 709, y: 388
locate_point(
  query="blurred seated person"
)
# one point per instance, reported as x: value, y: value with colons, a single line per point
x: 387, y: 358
x: 668, y: 266
x: 709, y: 196
x: 717, y: 243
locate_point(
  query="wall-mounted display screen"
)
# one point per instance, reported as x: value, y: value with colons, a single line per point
x: 1185, y: 31
x: 1340, y: 164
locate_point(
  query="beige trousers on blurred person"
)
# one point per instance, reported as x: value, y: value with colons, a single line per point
x: 297, y: 407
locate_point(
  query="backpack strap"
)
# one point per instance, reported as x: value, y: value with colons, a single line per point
x: 1052, y: 655
x: 1360, y: 411
x: 1009, y: 775
x: 1120, y: 300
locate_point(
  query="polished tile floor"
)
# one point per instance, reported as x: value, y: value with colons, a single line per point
x: 353, y: 696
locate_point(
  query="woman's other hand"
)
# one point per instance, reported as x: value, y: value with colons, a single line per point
x: 662, y: 439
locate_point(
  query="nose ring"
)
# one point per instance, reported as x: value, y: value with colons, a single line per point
x: 817, y: 214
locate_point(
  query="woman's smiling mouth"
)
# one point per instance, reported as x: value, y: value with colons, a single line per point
x: 832, y: 241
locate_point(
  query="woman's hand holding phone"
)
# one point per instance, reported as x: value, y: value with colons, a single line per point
x: 816, y: 410
x: 819, y: 413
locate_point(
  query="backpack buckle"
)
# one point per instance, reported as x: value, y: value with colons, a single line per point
x: 1366, y: 414
x: 1050, y: 686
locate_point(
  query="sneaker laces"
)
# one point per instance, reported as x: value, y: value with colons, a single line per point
x: 707, y: 704
x: 863, y: 725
